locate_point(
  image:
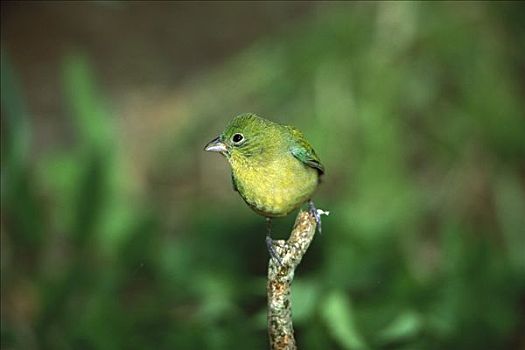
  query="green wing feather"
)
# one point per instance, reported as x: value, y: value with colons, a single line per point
x: 302, y: 150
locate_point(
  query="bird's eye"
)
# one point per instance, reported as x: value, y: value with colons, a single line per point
x: 237, y: 138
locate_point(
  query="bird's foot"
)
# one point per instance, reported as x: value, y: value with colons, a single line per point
x: 271, y: 249
x: 316, y: 213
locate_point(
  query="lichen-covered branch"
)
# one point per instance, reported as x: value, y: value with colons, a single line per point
x: 280, y: 277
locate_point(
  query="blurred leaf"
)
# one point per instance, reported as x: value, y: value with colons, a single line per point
x: 406, y: 325
x: 305, y: 298
x: 16, y: 133
x: 92, y: 122
x: 338, y: 316
x: 217, y: 298
x: 24, y: 219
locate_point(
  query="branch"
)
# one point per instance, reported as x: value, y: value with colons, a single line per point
x: 280, y: 277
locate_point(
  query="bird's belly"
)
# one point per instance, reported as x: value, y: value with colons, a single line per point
x: 277, y: 189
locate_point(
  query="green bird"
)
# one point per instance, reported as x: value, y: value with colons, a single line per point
x: 274, y: 168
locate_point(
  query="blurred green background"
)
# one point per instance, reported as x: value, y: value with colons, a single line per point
x: 119, y: 232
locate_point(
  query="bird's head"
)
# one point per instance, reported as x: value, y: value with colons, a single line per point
x: 246, y: 137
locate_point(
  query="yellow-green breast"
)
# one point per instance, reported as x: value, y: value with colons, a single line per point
x: 275, y: 187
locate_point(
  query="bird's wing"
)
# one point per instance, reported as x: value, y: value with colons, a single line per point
x: 302, y: 150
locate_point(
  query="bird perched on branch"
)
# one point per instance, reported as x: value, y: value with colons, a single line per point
x: 274, y: 168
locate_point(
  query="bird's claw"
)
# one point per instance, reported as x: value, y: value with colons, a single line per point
x: 271, y: 249
x: 316, y: 213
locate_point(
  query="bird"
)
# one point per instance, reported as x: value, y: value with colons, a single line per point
x: 274, y: 168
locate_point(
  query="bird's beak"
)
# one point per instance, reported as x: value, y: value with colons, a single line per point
x: 215, y: 145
